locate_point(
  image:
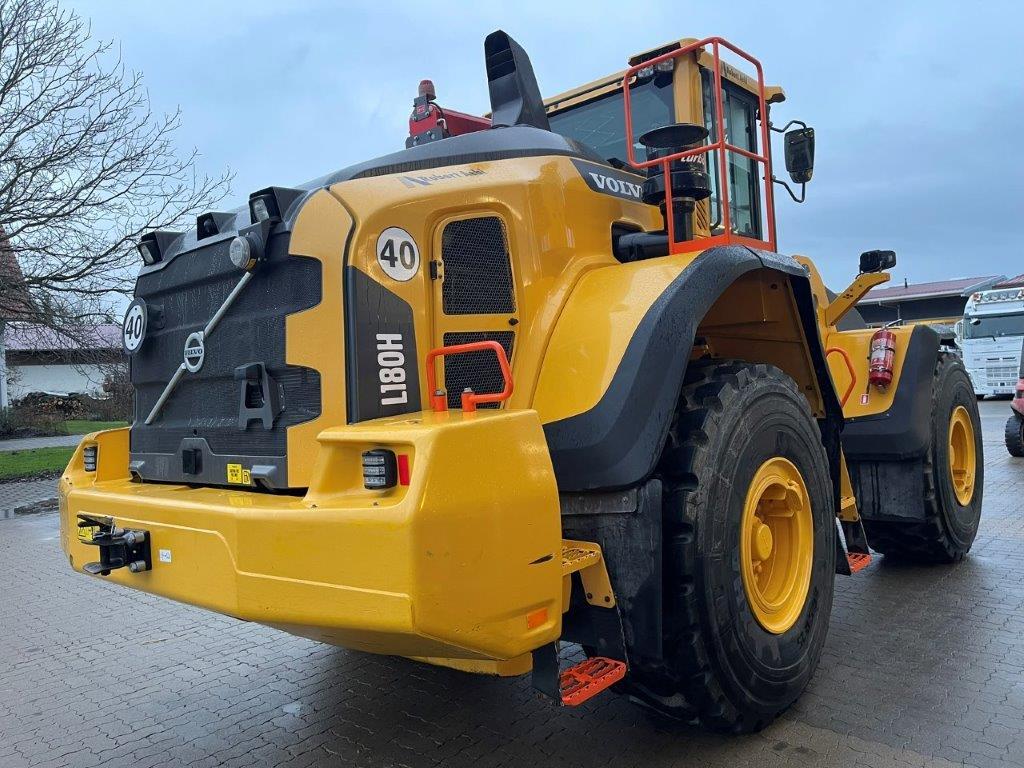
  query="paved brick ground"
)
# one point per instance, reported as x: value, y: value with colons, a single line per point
x: 16, y: 498
x: 923, y: 667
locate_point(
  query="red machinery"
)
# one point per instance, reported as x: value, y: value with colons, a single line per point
x: 1015, y: 424
x: 428, y: 122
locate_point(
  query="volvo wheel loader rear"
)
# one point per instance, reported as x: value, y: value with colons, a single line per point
x: 538, y: 378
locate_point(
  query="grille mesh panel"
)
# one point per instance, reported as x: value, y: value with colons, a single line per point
x: 477, y: 274
x: 189, y: 290
x: 478, y: 370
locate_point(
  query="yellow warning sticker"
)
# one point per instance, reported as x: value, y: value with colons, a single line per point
x: 235, y: 473
x: 246, y: 477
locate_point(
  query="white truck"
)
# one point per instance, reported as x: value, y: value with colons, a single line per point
x: 990, y: 336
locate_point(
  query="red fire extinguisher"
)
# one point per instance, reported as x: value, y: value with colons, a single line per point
x: 883, y: 349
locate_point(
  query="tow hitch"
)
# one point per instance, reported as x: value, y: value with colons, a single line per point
x: 119, y: 547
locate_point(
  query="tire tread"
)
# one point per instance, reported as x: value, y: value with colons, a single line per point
x: 687, y: 686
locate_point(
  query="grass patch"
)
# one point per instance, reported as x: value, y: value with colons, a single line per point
x: 84, y: 426
x: 15, y: 465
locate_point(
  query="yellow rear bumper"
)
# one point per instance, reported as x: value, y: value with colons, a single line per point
x: 463, y: 563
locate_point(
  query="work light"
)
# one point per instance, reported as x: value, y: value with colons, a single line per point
x: 149, y: 251
x: 259, y: 209
x: 89, y: 457
x: 263, y: 207
x: 380, y: 470
x: 242, y: 254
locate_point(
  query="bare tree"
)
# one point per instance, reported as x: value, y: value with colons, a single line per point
x: 86, y: 167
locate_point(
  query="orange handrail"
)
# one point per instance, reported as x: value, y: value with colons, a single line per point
x: 850, y: 368
x: 438, y: 399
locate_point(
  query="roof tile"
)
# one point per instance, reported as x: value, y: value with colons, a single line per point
x: 956, y: 287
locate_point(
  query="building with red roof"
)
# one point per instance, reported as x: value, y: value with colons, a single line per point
x: 40, y: 359
x: 1013, y: 282
x: 15, y: 303
x: 940, y: 303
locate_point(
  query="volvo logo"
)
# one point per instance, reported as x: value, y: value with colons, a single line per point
x: 195, y: 352
x: 628, y: 186
x: 616, y: 186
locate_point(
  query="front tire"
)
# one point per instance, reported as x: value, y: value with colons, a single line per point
x: 1015, y: 435
x: 744, y: 454
x: 954, y: 476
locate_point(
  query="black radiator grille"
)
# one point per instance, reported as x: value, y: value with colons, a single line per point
x: 477, y: 370
x: 188, y: 291
x: 477, y: 273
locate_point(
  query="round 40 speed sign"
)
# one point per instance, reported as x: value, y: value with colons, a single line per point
x: 133, y: 330
x: 397, y: 254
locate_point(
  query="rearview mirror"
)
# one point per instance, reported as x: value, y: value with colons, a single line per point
x: 877, y: 261
x: 800, y: 154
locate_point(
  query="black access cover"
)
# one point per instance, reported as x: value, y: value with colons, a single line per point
x: 202, y: 412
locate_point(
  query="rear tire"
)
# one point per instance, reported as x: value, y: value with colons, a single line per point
x: 1015, y: 435
x: 722, y: 667
x: 951, y: 518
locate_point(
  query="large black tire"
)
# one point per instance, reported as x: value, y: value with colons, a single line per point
x: 721, y: 667
x: 1015, y: 434
x: 948, y: 529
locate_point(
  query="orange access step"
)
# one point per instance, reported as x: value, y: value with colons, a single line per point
x: 858, y: 561
x: 589, y: 678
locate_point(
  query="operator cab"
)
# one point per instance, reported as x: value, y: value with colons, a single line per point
x: 670, y: 106
x: 662, y: 94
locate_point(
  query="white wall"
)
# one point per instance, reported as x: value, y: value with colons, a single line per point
x: 81, y: 378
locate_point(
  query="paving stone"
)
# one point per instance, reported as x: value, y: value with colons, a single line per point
x: 923, y: 667
x: 19, y: 497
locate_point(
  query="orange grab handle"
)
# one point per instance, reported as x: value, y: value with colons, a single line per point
x: 849, y: 367
x: 438, y: 400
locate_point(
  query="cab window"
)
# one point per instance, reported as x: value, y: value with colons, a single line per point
x: 601, y: 124
x: 740, y: 110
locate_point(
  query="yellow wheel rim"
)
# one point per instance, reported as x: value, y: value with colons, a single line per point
x: 963, y: 459
x: 777, y: 545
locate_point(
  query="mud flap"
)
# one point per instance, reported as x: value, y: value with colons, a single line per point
x: 627, y: 526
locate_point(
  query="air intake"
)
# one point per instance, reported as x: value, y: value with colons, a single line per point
x: 479, y: 371
x: 515, y: 97
x: 477, y: 272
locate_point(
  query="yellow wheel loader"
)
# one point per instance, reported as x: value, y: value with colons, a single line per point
x: 540, y: 377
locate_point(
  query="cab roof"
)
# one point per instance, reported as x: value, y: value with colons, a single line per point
x: 602, y: 86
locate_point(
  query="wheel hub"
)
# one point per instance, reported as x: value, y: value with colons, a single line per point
x: 963, y: 460
x: 777, y: 545
x: 763, y: 541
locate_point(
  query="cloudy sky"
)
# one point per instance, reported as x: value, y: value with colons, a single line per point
x: 918, y: 107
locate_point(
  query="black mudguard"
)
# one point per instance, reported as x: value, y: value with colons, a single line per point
x: 885, y: 452
x: 616, y: 444
x: 627, y: 525
x: 902, y: 431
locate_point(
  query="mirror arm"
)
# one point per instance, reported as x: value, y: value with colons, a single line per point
x: 844, y: 302
x: 803, y: 187
x: 785, y: 128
